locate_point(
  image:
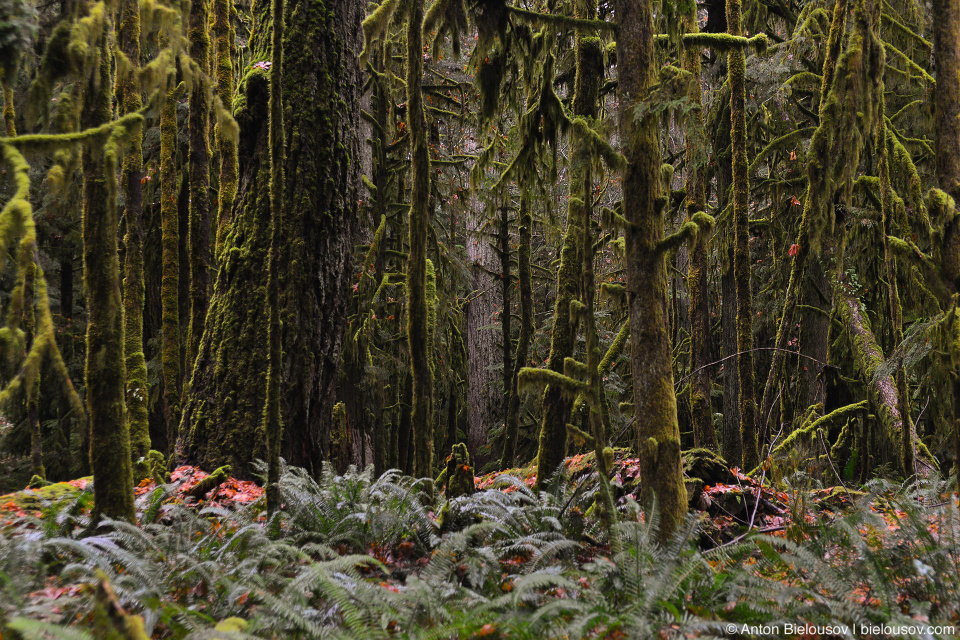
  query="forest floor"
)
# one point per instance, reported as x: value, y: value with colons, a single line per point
x: 751, y: 554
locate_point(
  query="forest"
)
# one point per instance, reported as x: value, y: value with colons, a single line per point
x: 479, y: 319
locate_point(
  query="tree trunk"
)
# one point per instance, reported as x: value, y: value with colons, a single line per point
x: 741, y: 240
x: 512, y: 420
x: 224, y: 36
x: 868, y: 357
x: 421, y: 411
x: 199, y: 181
x: 223, y: 416
x: 105, y: 371
x: 701, y: 411
x: 128, y: 98
x: 557, y: 402
x: 482, y: 354
x: 655, y: 404
x: 271, y: 412
x: 170, y: 266
x: 946, y: 100
x: 732, y: 438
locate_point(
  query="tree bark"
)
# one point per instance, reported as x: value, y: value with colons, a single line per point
x: 129, y: 100
x: 421, y: 370
x: 701, y: 411
x: 199, y: 180
x: 655, y: 404
x: 105, y: 372
x: 482, y: 353
x: 736, y: 63
x: 222, y: 417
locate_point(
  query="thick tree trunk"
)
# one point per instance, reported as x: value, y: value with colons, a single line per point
x: 105, y: 371
x: 655, y: 404
x: 483, y: 401
x: 222, y: 417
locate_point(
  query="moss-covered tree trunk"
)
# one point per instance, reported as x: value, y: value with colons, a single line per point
x: 524, y: 273
x: 223, y: 34
x: 170, y: 262
x: 699, y: 263
x: 736, y: 63
x: 28, y: 269
x: 222, y: 417
x: 655, y: 403
x: 271, y: 411
x: 199, y: 178
x: 105, y: 371
x: 946, y: 100
x: 9, y: 111
x: 129, y: 100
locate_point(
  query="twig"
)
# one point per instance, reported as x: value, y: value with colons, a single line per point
x: 734, y: 355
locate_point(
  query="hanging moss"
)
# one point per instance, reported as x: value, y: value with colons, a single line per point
x: 832, y: 159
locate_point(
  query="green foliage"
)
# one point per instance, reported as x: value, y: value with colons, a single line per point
x: 513, y: 561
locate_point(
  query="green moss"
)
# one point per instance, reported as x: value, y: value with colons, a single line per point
x: 128, y: 97
x: 655, y: 408
x: 170, y: 263
x: 105, y: 371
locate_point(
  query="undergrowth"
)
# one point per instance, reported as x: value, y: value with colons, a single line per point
x: 355, y: 556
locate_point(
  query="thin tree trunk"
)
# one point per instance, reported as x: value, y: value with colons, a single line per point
x: 421, y: 411
x: 699, y: 262
x: 105, y: 371
x: 199, y: 181
x: 170, y: 248
x: 271, y: 412
x: 512, y: 421
x: 741, y: 240
x: 223, y: 34
x: 128, y: 98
